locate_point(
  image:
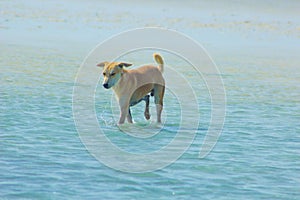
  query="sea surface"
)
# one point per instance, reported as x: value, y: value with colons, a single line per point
x: 255, y: 46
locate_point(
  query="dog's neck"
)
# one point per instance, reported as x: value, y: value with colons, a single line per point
x: 118, y: 86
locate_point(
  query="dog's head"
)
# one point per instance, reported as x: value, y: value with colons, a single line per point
x: 112, y: 72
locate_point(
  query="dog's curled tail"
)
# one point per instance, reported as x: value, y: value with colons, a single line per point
x: 159, y: 61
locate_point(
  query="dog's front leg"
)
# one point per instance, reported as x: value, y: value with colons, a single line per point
x: 124, y: 106
x: 124, y: 113
x: 129, y: 116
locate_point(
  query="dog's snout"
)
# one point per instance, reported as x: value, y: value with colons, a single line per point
x: 105, y: 85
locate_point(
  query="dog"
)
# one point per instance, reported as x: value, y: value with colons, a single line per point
x: 133, y: 86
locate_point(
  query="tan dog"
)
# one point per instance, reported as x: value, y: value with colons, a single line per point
x: 133, y: 86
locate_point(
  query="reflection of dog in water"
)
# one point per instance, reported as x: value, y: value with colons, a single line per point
x: 133, y: 86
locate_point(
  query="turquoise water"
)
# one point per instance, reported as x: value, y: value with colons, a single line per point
x: 42, y: 156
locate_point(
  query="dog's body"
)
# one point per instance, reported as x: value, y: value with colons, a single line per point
x: 133, y: 86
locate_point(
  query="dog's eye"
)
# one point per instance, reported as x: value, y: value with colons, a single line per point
x: 104, y: 74
x: 112, y: 74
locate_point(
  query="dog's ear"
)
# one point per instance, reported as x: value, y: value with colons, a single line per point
x: 102, y: 64
x: 123, y: 64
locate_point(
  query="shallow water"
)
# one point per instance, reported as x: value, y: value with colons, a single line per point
x: 42, y: 156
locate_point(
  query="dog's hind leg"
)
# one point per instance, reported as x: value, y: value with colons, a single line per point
x: 147, y: 113
x: 159, y: 91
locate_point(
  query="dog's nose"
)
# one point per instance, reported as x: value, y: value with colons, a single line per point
x: 105, y: 85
